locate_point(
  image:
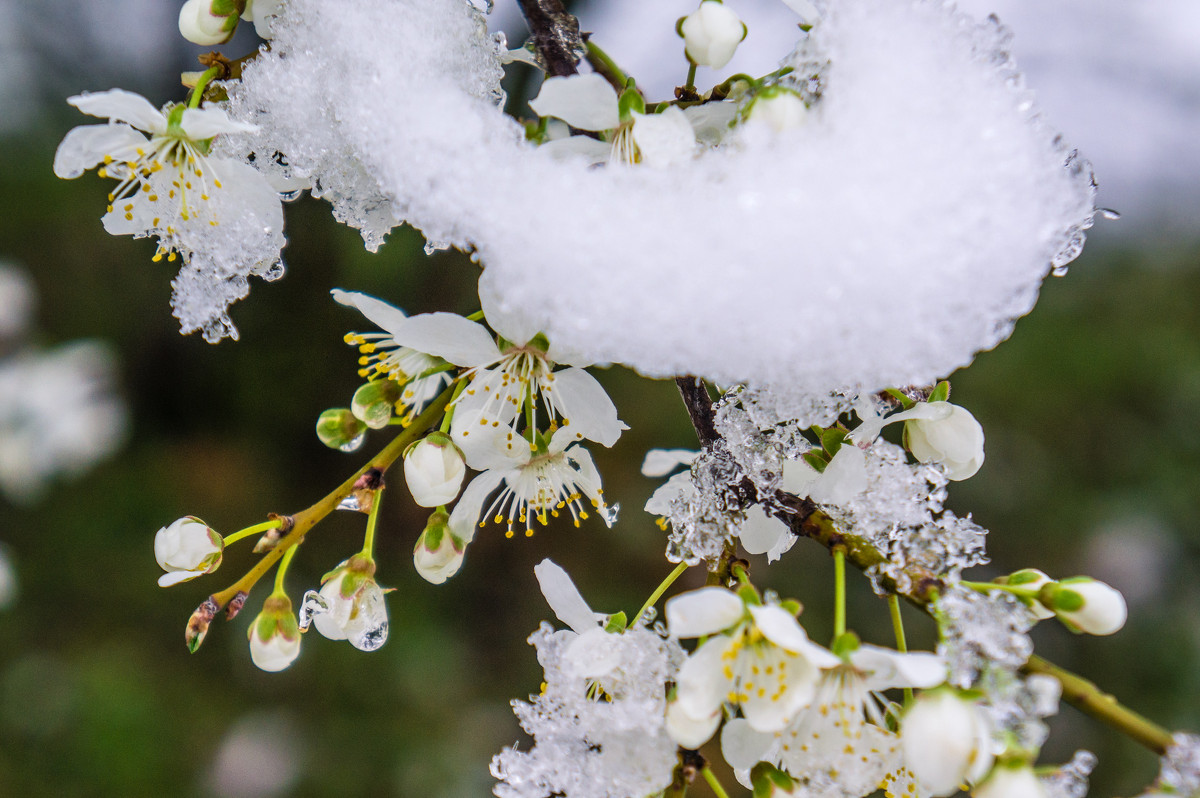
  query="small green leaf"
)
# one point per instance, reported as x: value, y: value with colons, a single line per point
x: 616, y: 622
x: 831, y: 440
x: 940, y: 392
x: 816, y: 460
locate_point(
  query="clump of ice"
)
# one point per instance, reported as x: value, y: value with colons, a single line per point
x: 705, y: 518
x: 901, y: 231
x: 1181, y: 766
x: 1071, y: 780
x: 980, y: 632
x: 595, y: 739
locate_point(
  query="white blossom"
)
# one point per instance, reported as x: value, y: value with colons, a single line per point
x: 1011, y: 781
x: 274, y: 635
x: 778, y: 109
x: 434, y: 470
x: 185, y: 549
x: 711, y: 34
x: 438, y: 553
x: 946, y: 740
x: 200, y: 25
x: 263, y: 14
x: 1087, y: 605
x: 350, y: 606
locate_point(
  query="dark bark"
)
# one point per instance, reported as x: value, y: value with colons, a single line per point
x: 555, y: 34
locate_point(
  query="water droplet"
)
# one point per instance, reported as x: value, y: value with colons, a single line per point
x: 353, y: 445
x: 312, y: 605
x: 368, y: 629
x: 350, y: 503
x: 1108, y: 213
x: 609, y: 513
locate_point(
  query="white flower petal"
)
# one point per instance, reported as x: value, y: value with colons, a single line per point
x: 175, y: 577
x: 660, y: 462
x: 884, y: 668
x: 450, y: 337
x: 583, y: 402
x: 703, y: 612
x: 702, y: 684
x: 805, y: 8
x: 563, y: 597
x: 381, y: 314
x: 711, y: 122
x: 798, y: 477
x: 844, y: 478
x: 691, y: 732
x: 121, y: 106
x: 781, y: 628
x: 204, y: 123
x: 765, y: 534
x: 742, y: 746
x: 85, y: 146
x: 679, y: 485
x: 587, y: 102
x: 664, y: 139
x: 593, y: 151
x: 464, y: 519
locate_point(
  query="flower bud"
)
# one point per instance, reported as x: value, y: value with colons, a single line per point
x: 950, y: 435
x: 1033, y: 580
x: 771, y: 782
x: 274, y: 635
x: 197, y: 625
x: 434, y: 470
x: 262, y: 14
x: 374, y: 402
x: 338, y: 428
x: 438, y: 554
x: 351, y: 605
x: 946, y: 741
x: 1011, y: 782
x: 711, y: 34
x: 777, y: 108
x: 201, y: 24
x: 186, y: 549
x: 1086, y: 605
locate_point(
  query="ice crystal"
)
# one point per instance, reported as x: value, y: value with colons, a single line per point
x: 705, y: 519
x: 923, y: 203
x: 1181, y: 766
x: 594, y: 738
x: 1071, y: 780
x: 982, y: 632
x: 1017, y: 706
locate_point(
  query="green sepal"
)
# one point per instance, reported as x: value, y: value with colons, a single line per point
x: 679, y: 26
x: 631, y: 100
x: 816, y: 460
x: 175, y: 119
x: 539, y: 342
x: 792, y: 606
x: 1022, y: 577
x: 891, y: 716
x: 766, y: 779
x: 225, y: 8
x: 940, y: 392
x: 617, y: 622
x: 749, y: 595
x: 832, y: 439
x: 846, y: 644
x: 901, y: 397
x: 374, y: 402
x: 1060, y: 599
x: 338, y: 427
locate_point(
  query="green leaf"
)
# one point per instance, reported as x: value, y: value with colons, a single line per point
x: 831, y: 440
x: 816, y: 460
x: 940, y: 392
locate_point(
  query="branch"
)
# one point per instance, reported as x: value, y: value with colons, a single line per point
x: 804, y: 519
x: 555, y: 35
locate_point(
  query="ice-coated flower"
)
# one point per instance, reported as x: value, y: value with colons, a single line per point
x: 274, y: 635
x: 711, y: 34
x: 167, y: 184
x: 185, y: 549
x: 439, y: 552
x: 538, y: 482
x: 420, y: 376
x: 777, y: 108
x: 935, y: 432
x: 201, y: 21
x: 1011, y: 781
x: 1086, y: 605
x: 503, y: 375
x: 588, y: 102
x: 434, y: 470
x: 844, y: 477
x: 350, y: 605
x: 840, y: 735
x: 946, y: 740
x: 759, y: 533
x: 757, y: 657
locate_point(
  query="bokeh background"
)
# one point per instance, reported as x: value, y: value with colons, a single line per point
x: 1092, y: 414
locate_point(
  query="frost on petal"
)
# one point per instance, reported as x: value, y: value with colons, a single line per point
x: 378, y: 312
x: 703, y: 612
x: 450, y: 337
x: 86, y: 146
x: 711, y: 122
x: 119, y: 105
x: 678, y: 486
x: 593, y: 654
x: 587, y: 102
x: 563, y: 597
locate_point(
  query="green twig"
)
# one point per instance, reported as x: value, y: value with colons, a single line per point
x: 658, y: 591
x: 711, y: 778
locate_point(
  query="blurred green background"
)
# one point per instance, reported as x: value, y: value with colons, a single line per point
x: 1092, y: 414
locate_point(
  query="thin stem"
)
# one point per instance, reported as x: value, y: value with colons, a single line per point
x: 839, y: 593
x: 368, y: 549
x: 901, y: 640
x: 658, y: 591
x: 201, y: 84
x: 711, y: 778
x: 603, y: 63
x: 242, y: 534
x: 282, y: 571
x: 984, y: 587
x: 309, y: 517
x: 448, y: 419
x: 691, y: 78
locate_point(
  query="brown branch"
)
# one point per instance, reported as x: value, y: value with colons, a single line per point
x: 700, y: 408
x: 555, y: 35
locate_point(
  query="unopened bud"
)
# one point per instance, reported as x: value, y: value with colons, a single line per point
x: 947, y: 741
x: 434, y: 469
x: 777, y: 108
x: 208, y: 22
x: 197, y: 625
x: 711, y: 34
x: 439, y: 553
x: 338, y: 428
x: 1012, y: 781
x: 374, y: 402
x: 1086, y: 605
x: 235, y: 605
x: 274, y: 635
x: 771, y: 782
x: 185, y: 549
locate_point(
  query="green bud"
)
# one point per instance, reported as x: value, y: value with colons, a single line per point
x: 337, y: 428
x: 631, y: 101
x: 792, y: 606
x: 940, y: 392
x: 767, y: 779
x: 374, y: 402
x: 1059, y: 598
x: 846, y: 644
